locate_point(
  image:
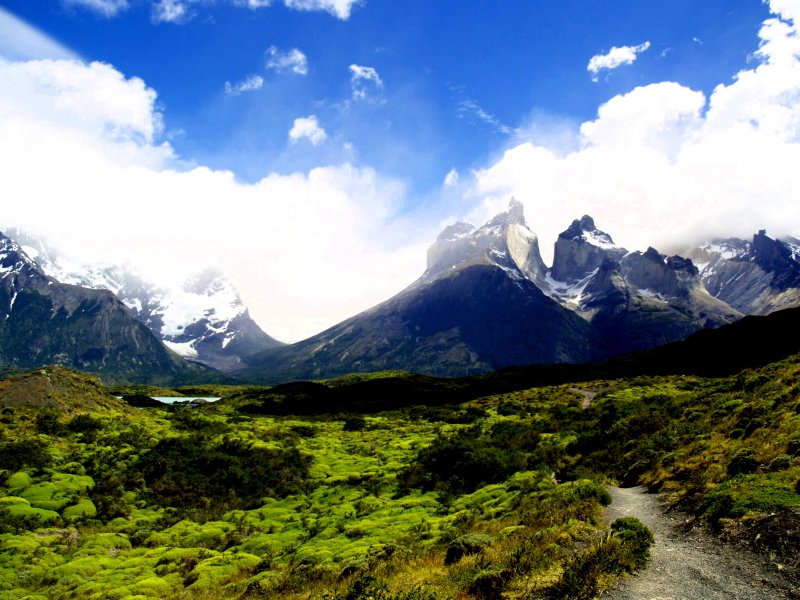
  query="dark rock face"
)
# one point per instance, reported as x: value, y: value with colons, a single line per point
x: 630, y: 318
x: 220, y: 333
x: 474, y: 320
x: 581, y: 249
x: 668, y: 277
x: 43, y: 321
x: 756, y: 277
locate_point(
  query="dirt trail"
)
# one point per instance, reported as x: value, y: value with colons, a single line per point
x: 690, y: 565
x: 588, y: 396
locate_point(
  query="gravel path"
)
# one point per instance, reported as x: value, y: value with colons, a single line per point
x: 691, y: 565
x: 588, y: 396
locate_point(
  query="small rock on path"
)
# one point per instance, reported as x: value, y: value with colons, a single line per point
x: 691, y: 565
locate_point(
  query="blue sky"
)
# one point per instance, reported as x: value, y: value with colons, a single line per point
x: 441, y: 63
x: 312, y: 149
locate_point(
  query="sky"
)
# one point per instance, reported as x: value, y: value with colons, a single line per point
x: 312, y: 149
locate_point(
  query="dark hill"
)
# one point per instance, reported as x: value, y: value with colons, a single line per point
x: 750, y: 343
x: 60, y: 388
x: 476, y: 319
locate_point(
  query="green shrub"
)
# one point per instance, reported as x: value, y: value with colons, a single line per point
x: 636, y: 540
x: 465, y: 545
x: 743, y: 461
x: 780, y: 462
x: 354, y: 423
x: 33, y: 453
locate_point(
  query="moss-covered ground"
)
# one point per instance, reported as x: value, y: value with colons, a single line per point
x: 500, y: 497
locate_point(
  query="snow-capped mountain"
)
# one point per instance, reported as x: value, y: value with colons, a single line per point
x: 637, y: 300
x: 487, y: 301
x: 202, y: 319
x: 44, y: 321
x: 505, y: 242
x: 476, y: 308
x: 756, y: 277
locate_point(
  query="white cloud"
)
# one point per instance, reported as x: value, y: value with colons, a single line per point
x: 180, y: 11
x: 171, y: 11
x: 338, y: 8
x: 83, y: 163
x: 105, y: 8
x: 616, y: 57
x: 451, y: 179
x: 364, y: 81
x: 249, y: 84
x: 21, y: 41
x: 665, y: 165
x: 308, y: 128
x: 292, y: 59
x: 471, y: 108
x: 253, y: 4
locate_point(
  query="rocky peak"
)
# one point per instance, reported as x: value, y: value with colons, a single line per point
x: 504, y: 240
x: 14, y: 261
x: 580, y: 249
x: 654, y: 255
x: 666, y: 277
x: 514, y: 215
x: 775, y: 257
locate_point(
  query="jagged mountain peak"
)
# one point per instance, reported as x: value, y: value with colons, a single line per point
x: 514, y: 215
x: 504, y: 241
x: 13, y: 259
x: 585, y: 230
x: 580, y: 250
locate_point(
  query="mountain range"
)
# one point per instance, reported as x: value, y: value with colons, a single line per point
x: 44, y: 321
x: 486, y: 301
x: 203, y: 318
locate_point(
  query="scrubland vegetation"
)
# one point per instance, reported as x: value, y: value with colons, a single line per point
x: 498, y: 497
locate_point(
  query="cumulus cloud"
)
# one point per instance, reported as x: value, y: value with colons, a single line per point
x: 85, y: 165
x: 338, y: 8
x: 307, y: 128
x: 105, y: 8
x: 249, y: 84
x: 293, y: 60
x: 665, y: 165
x: 451, y: 179
x: 364, y: 81
x: 616, y: 57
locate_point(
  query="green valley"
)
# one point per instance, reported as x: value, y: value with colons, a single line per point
x: 274, y: 493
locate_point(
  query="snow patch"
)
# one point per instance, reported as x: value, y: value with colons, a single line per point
x: 567, y: 293
x: 185, y: 349
x: 599, y: 239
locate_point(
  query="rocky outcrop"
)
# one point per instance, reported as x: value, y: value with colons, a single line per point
x: 580, y: 250
x: 504, y: 241
x: 755, y: 277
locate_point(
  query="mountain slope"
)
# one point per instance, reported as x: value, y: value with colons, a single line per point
x: 475, y: 309
x: 202, y: 319
x: 755, y: 277
x: 43, y: 321
x: 635, y: 300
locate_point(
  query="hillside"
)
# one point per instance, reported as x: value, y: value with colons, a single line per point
x: 408, y: 487
x: 55, y: 387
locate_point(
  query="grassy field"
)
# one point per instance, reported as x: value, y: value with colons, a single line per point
x: 498, y: 497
